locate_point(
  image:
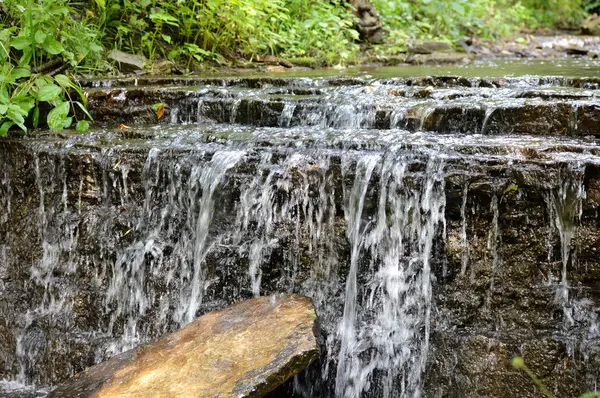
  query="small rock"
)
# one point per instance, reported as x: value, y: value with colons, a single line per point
x: 429, y: 47
x: 438, y: 58
x: 165, y: 67
x: 275, y: 68
x: 272, y: 60
x: 591, y: 25
x: 575, y: 51
x: 246, y: 350
x: 286, y: 63
x: 127, y: 62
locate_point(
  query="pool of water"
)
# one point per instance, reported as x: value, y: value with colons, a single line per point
x: 567, y: 67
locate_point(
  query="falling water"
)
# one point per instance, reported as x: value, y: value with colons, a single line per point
x: 391, y: 342
x: 494, y: 242
x: 463, y: 231
x: 349, y: 366
x: 424, y: 113
x: 209, y: 178
x: 566, y: 202
x: 488, y: 113
x: 285, y: 119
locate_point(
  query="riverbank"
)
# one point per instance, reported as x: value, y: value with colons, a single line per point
x: 554, y: 46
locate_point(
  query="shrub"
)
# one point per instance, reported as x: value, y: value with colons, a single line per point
x: 32, y: 36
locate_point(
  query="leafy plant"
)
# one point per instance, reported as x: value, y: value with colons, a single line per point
x: 562, y: 13
x: 200, y: 30
x: 41, y: 34
x: 449, y: 21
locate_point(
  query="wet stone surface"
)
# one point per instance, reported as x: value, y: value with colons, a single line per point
x: 246, y: 350
x: 446, y: 104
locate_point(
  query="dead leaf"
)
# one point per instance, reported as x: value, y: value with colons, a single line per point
x: 159, y: 108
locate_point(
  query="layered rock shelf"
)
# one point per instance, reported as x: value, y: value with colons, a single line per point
x: 445, y: 104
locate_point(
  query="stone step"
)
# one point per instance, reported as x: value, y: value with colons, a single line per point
x: 516, y: 109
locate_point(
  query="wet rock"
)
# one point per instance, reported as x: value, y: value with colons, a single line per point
x: 127, y: 62
x: 438, y: 58
x: 165, y: 67
x: 274, y: 61
x: 246, y: 350
x: 430, y: 47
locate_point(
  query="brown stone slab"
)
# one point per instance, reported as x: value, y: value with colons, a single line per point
x: 246, y: 350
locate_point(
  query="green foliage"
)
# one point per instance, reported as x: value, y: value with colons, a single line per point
x: 41, y: 32
x: 591, y: 5
x: 561, y: 13
x: 34, y: 33
x: 212, y: 29
x: 449, y: 21
x: 46, y: 29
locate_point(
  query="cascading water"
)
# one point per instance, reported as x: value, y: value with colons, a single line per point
x: 566, y: 202
x: 376, y: 226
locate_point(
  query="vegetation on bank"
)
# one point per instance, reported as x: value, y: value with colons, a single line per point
x: 41, y: 41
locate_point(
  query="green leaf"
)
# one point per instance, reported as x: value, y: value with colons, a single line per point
x: 21, y: 42
x: 3, y: 109
x: 52, y: 46
x: 57, y: 116
x: 49, y: 93
x: 15, y: 113
x: 85, y: 111
x: 64, y: 81
x: 26, y: 57
x: 18, y: 73
x: 511, y: 187
x: 36, y: 117
x: 164, y: 18
x: 4, y: 94
x: 61, y: 10
x: 518, y: 362
x: 67, y: 122
x: 5, y: 127
x: 167, y: 38
x: 82, y: 125
x: 40, y: 37
x: 5, y: 35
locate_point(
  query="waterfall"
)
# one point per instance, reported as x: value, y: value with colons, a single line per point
x: 113, y: 238
x: 566, y: 202
x: 388, y: 340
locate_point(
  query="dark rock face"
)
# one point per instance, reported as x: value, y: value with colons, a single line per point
x: 431, y: 259
x: 208, y: 357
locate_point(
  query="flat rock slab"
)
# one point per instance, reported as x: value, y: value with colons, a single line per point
x: 128, y: 62
x: 246, y: 350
